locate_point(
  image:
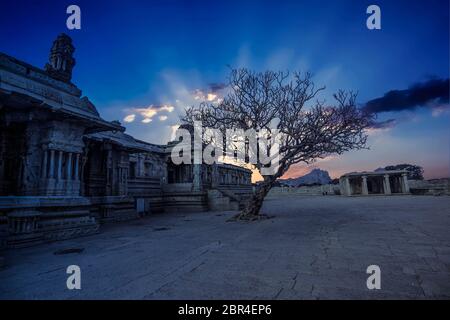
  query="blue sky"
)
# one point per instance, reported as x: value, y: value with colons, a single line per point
x: 151, y: 58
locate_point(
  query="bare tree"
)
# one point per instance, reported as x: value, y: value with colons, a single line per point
x: 285, y: 104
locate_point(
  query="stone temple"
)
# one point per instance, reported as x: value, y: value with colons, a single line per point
x: 372, y: 183
x: 64, y: 170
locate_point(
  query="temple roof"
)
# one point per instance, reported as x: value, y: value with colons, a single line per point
x: 20, y: 80
x: 125, y: 141
x: 233, y: 167
x: 374, y: 173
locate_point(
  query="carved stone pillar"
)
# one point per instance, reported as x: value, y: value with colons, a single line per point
x: 405, y: 184
x: 52, y: 164
x: 44, y: 165
x: 387, y: 185
x: 141, y: 164
x: 69, y: 166
x: 348, y: 187
x: 110, y: 177
x: 59, y: 172
x: 77, y: 166
x: 197, y: 182
x: 365, y: 190
x: 214, y: 176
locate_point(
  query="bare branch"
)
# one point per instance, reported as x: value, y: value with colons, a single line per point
x: 287, y: 102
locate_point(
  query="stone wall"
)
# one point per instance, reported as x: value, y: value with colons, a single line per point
x: 328, y: 189
x: 113, y: 208
x: 430, y: 187
x: 149, y: 191
x: 32, y: 220
x: 192, y: 201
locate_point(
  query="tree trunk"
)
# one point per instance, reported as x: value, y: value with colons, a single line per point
x: 253, y: 207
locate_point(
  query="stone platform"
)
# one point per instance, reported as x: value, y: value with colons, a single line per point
x: 315, y: 247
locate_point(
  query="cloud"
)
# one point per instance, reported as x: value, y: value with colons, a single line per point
x: 431, y: 94
x: 129, y: 118
x: 379, y: 127
x: 213, y: 93
x: 151, y: 116
x: 387, y: 124
x: 437, y: 111
x: 147, y: 113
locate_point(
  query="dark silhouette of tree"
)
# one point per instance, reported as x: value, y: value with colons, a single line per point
x: 284, y: 106
x: 414, y: 172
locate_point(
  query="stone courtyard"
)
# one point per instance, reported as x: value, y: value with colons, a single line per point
x: 314, y: 247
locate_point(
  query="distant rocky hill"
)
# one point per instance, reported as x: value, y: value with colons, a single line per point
x: 316, y: 176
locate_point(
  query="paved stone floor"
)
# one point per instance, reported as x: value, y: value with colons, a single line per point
x: 313, y: 248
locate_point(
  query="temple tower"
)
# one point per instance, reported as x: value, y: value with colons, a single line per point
x: 61, y: 61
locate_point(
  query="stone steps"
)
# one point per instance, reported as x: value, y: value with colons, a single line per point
x: 218, y: 200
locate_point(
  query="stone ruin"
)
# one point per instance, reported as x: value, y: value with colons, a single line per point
x: 64, y: 170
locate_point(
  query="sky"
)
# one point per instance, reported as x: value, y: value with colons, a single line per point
x: 143, y: 62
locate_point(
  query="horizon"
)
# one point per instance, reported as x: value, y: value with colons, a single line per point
x: 225, y: 155
x: 162, y: 57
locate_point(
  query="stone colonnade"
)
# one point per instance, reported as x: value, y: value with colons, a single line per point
x: 60, y: 172
x: 54, y: 159
x: 381, y: 183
